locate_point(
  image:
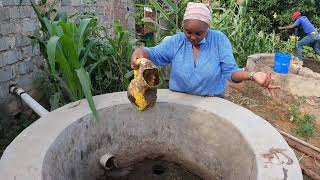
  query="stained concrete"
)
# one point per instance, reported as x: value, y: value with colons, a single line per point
x: 211, y: 137
x: 299, y: 81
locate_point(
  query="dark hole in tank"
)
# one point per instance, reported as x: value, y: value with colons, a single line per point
x: 158, y: 169
x: 110, y: 163
x: 150, y: 169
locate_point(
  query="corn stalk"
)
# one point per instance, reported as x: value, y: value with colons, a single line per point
x: 65, y: 45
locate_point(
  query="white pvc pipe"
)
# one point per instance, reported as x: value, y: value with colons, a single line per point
x: 107, y: 161
x: 34, y: 105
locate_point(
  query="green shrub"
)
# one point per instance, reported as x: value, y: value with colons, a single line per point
x: 109, y: 61
x: 306, y: 126
x: 242, y: 31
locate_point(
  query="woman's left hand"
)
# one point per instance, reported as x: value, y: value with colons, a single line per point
x: 264, y: 80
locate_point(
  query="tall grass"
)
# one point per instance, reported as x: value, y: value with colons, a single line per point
x: 236, y: 23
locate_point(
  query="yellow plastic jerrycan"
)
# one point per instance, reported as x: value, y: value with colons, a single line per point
x: 142, y: 90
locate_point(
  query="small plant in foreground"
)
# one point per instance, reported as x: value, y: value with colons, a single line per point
x: 306, y: 126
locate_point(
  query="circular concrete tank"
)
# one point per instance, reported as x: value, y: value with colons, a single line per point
x: 210, y: 137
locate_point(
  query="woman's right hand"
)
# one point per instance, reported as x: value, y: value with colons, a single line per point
x: 138, y: 53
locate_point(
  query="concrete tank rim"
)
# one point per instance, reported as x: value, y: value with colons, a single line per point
x: 244, y: 120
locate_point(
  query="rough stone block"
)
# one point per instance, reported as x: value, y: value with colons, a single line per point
x: 6, y: 74
x: 66, y: 2
x: 14, y: 12
x: 39, y: 62
x: 3, y: 61
x: 4, y: 14
x: 4, y: 91
x: 26, y: 81
x: 4, y: 44
x: 27, y: 52
x: 17, y: 12
x: 22, y: 40
x: 11, y: 2
x: 29, y: 25
x: 12, y: 56
x: 26, y: 12
x: 11, y: 40
x: 70, y: 9
x: 25, y: 67
x: 78, y: 2
x: 8, y: 27
x: 14, y: 2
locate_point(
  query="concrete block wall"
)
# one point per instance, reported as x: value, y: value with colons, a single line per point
x: 19, y: 63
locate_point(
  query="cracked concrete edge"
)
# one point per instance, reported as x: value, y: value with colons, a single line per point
x: 260, y: 135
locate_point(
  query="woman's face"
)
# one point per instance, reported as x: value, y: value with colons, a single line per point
x: 195, y: 30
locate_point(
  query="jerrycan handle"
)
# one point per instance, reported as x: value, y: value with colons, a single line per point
x: 136, y: 71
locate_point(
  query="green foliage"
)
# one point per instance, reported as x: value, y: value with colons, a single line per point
x: 167, y: 12
x: 306, y: 126
x: 294, y: 112
x: 109, y: 61
x: 290, y: 45
x: 242, y: 32
x: 86, y: 87
x: 67, y: 51
x: 269, y: 14
x: 287, y: 46
x: 138, y: 16
x: 294, y: 109
x: 81, y: 59
x: 65, y: 44
x: 308, y: 51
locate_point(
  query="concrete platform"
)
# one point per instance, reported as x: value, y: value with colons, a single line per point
x: 300, y: 81
x: 209, y: 136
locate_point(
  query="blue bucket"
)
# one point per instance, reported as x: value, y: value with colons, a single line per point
x: 282, y: 62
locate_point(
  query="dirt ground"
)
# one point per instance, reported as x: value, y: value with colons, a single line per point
x: 311, y: 64
x: 276, y: 111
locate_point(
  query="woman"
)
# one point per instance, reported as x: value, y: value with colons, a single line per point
x: 201, y: 59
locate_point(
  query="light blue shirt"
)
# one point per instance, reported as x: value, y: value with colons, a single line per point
x: 214, y: 65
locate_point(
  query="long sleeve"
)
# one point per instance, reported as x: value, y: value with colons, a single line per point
x: 227, y: 61
x: 163, y: 53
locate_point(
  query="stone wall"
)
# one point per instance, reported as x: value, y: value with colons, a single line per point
x: 18, y: 62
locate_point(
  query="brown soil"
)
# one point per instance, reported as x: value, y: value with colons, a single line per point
x: 312, y: 64
x: 276, y: 111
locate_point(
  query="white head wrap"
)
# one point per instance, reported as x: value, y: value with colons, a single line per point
x: 197, y: 11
